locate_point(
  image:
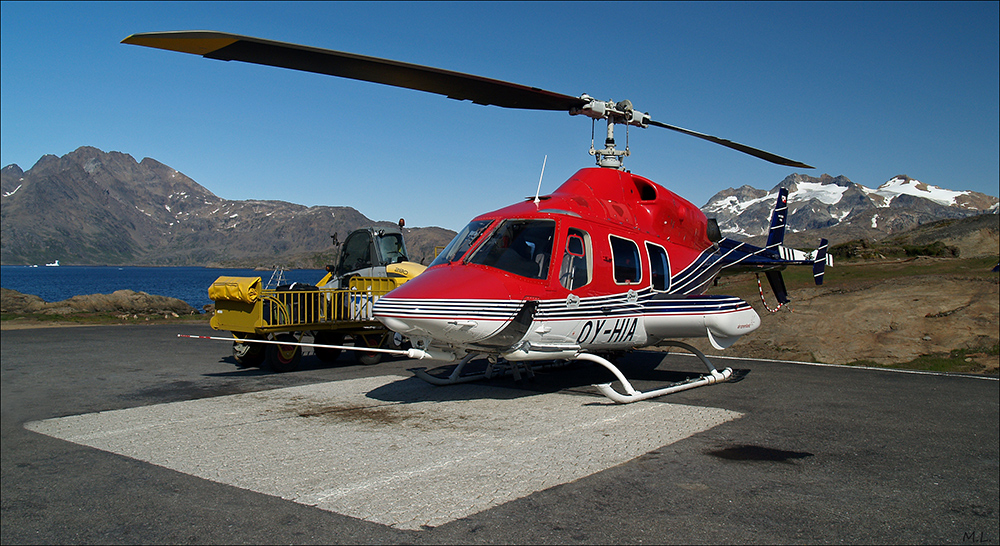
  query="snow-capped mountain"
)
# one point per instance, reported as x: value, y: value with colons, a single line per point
x: 843, y: 209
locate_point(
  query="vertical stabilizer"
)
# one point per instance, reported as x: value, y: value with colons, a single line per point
x: 776, y: 232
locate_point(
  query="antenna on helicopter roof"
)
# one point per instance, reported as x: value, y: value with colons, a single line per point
x: 537, y: 191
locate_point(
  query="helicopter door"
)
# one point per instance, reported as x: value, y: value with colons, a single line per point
x: 577, y: 266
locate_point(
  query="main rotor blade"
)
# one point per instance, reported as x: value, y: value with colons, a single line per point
x: 455, y: 85
x: 766, y: 156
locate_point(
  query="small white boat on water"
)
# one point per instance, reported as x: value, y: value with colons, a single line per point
x: 53, y: 264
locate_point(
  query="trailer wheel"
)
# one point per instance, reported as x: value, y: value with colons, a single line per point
x: 327, y: 354
x: 248, y: 355
x: 369, y: 359
x: 284, y: 358
x: 373, y: 341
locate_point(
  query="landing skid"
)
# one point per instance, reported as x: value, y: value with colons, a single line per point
x: 495, y: 369
x: 631, y: 395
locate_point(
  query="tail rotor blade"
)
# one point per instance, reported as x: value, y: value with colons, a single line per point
x: 777, y: 283
x: 819, y: 264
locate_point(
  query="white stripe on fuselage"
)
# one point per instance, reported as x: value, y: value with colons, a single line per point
x: 592, y: 323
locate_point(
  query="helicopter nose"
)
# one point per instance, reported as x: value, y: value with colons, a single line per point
x: 453, y: 304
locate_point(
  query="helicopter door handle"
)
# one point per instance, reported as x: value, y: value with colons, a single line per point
x: 463, y: 323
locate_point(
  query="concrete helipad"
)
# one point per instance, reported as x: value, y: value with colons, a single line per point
x: 382, y: 449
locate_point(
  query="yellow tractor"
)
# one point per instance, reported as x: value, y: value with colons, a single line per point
x: 373, y: 261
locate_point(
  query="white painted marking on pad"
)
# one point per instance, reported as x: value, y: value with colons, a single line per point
x: 390, y: 450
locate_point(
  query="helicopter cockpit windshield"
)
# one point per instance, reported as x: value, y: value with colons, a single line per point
x: 461, y: 243
x: 521, y: 247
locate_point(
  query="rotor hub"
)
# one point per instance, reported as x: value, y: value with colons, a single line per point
x: 622, y: 113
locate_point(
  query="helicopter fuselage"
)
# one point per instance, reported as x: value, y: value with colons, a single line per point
x: 609, y: 261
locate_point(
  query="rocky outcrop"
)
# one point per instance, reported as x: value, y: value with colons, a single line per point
x: 121, y: 301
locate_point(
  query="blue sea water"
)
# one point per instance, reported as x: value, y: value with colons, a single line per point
x: 186, y: 283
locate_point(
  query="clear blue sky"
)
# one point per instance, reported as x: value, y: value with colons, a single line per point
x: 864, y: 90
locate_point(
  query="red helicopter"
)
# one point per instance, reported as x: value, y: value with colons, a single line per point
x: 607, y: 263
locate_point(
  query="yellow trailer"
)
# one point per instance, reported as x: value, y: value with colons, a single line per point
x: 330, y: 315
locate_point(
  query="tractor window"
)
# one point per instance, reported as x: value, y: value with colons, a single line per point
x: 357, y: 253
x: 660, y: 265
x: 521, y: 247
x: 391, y: 247
x: 461, y: 243
x: 626, y: 259
x: 576, y: 262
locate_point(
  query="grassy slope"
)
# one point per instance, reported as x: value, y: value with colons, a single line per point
x: 850, y: 274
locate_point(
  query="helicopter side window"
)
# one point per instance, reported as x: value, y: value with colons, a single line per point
x: 461, y: 243
x: 625, y: 254
x: 391, y: 247
x: 660, y: 267
x: 521, y: 247
x: 576, y: 263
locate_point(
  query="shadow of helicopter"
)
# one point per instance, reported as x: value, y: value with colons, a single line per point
x: 573, y: 378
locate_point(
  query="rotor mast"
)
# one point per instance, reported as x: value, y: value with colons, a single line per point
x: 622, y: 113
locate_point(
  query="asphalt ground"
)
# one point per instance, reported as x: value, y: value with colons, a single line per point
x: 192, y: 449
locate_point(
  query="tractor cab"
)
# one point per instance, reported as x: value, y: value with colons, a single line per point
x: 371, y: 252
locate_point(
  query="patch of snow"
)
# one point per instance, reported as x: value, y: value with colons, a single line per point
x: 886, y: 197
x: 875, y: 221
x: 233, y: 215
x: 8, y: 194
x: 908, y: 186
x: 167, y: 207
x: 733, y: 205
x: 828, y: 194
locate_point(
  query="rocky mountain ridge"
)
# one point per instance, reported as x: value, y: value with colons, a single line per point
x: 90, y: 207
x: 842, y: 210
